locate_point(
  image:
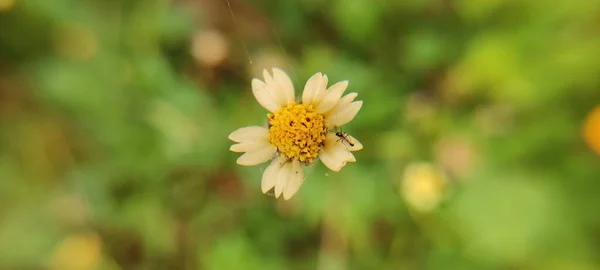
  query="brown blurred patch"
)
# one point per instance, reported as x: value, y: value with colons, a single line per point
x: 186, y: 250
x: 454, y: 87
x: 382, y: 233
x: 46, y: 144
x: 304, y: 246
x: 188, y: 190
x: 495, y: 119
x: 333, y: 252
x: 13, y: 95
x: 420, y: 106
x: 125, y: 246
x: 249, y: 22
x: 456, y: 155
x: 227, y: 185
x: 230, y: 54
x: 286, y: 209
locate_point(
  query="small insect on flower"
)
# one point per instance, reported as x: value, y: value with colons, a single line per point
x: 344, y: 138
x: 297, y: 132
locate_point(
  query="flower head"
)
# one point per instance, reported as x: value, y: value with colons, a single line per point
x: 591, y: 129
x: 298, y: 132
x: 423, y: 186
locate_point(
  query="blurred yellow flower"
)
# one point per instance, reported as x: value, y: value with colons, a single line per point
x: 77, y: 252
x: 591, y: 129
x: 298, y: 132
x: 423, y: 186
x: 6, y: 5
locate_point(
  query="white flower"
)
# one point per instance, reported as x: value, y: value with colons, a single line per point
x: 298, y: 132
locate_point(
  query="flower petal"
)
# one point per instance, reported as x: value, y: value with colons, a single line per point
x: 343, y: 103
x: 321, y: 93
x: 285, y: 83
x: 258, y: 156
x: 332, y: 96
x: 313, y: 88
x: 262, y: 95
x: 310, y: 87
x: 247, y: 134
x: 357, y: 145
x: 335, y: 155
x: 341, y: 148
x: 249, y: 146
x: 296, y: 180
x: 240, y: 147
x: 283, y: 178
x: 334, y: 159
x: 345, y: 100
x: 275, y: 90
x: 269, y: 178
x: 344, y: 115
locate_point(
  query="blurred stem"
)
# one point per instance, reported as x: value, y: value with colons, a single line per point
x: 333, y: 253
x: 185, y: 248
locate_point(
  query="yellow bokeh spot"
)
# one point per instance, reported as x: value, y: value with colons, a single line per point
x: 591, y: 129
x: 77, y: 252
x: 7, y: 4
x: 423, y: 186
x: 298, y: 131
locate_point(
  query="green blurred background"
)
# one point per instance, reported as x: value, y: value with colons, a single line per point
x: 114, y: 116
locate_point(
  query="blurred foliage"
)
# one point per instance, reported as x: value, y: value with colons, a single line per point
x: 114, y: 118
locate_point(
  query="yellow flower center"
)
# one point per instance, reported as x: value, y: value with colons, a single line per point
x: 298, y: 131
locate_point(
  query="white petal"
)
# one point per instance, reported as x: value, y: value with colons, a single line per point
x: 344, y: 115
x: 240, y: 147
x: 258, y: 156
x: 267, y: 77
x: 310, y: 87
x: 250, y: 146
x: 313, y: 88
x: 296, y: 180
x: 351, y: 143
x: 335, y: 155
x: 264, y: 98
x: 332, y: 96
x: 357, y: 145
x: 345, y: 100
x: 285, y: 83
x: 283, y: 178
x: 269, y: 177
x: 250, y: 133
x: 321, y: 93
x: 274, y: 89
x: 334, y: 160
x: 343, y: 103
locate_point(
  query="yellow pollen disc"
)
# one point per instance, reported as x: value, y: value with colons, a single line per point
x: 298, y: 131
